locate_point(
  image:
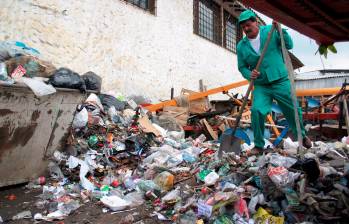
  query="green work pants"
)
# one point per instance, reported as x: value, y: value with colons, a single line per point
x: 263, y: 96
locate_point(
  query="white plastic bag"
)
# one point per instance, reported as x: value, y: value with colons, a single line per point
x: 281, y: 177
x: 94, y: 100
x: 115, y: 203
x: 211, y: 178
x: 80, y: 119
x: 38, y: 87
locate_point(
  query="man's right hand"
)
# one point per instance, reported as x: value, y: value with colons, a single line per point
x: 254, y: 74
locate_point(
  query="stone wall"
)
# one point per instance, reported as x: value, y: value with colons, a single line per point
x: 135, y: 52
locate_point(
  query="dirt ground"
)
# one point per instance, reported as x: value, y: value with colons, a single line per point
x: 87, y: 213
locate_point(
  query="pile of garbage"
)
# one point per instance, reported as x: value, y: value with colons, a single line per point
x: 21, y: 64
x: 121, y: 156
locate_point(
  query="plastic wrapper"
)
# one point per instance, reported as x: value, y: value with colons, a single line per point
x: 115, y: 203
x: 38, y: 87
x: 80, y: 119
x: 281, y: 177
x: 66, y: 78
x: 23, y: 215
x: 16, y: 48
x: 211, y: 178
x: 68, y: 207
x: 135, y: 198
x: 278, y: 160
x: 172, y: 196
x: 94, y: 100
x: 164, y: 180
x: 92, y: 81
x: 257, y: 199
x: 147, y: 185
x: 241, y: 208
x: 263, y: 217
x: 109, y: 101
x: 289, y: 144
x: 34, y: 67
x: 165, y: 156
x: 4, y: 78
x: 55, y: 171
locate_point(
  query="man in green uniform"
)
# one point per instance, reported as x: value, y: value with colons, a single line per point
x: 271, y: 81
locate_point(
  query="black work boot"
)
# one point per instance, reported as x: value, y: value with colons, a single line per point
x: 307, y: 143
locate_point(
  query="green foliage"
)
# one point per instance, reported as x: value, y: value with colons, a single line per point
x: 323, y: 49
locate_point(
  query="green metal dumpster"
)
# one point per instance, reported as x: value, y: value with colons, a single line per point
x: 31, y: 129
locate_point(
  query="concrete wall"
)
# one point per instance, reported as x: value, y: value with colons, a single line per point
x: 134, y: 51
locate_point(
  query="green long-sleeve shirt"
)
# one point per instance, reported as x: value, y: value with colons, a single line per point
x: 272, y: 67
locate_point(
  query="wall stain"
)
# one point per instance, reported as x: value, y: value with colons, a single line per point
x: 20, y: 136
x: 4, y: 112
x: 35, y: 115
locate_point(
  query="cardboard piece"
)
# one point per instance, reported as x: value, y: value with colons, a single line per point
x: 178, y: 113
x: 147, y: 126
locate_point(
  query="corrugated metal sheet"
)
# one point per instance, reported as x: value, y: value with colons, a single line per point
x: 321, y: 79
x: 322, y: 74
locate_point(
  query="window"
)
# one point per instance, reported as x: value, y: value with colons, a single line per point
x: 208, y: 20
x: 148, y: 5
x: 208, y: 17
x: 230, y: 32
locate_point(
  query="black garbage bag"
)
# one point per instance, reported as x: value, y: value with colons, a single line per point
x: 92, y: 81
x: 66, y: 78
x: 109, y: 101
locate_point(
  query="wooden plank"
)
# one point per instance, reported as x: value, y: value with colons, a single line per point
x: 210, y: 130
x: 346, y: 113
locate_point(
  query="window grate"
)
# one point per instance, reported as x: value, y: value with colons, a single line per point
x: 148, y: 5
x: 208, y: 24
x: 230, y: 34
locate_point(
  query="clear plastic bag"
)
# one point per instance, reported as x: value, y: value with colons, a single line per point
x: 279, y: 160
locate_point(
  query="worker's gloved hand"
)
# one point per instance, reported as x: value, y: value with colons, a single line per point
x: 254, y: 74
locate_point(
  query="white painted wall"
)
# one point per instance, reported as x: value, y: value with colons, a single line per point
x: 133, y: 51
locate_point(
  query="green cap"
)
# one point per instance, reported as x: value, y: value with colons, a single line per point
x: 245, y: 15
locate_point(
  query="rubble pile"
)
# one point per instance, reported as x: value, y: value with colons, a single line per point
x: 121, y: 159
x: 120, y: 156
